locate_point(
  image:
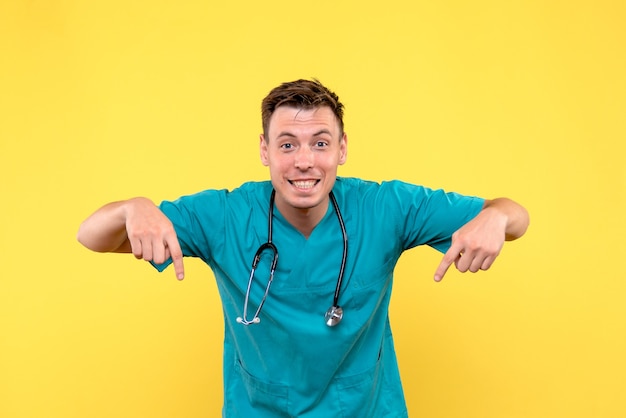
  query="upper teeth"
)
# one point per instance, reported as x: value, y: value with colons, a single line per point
x: 304, y: 184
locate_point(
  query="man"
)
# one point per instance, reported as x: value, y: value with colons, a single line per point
x: 339, y: 240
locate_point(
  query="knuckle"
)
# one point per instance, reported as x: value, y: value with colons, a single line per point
x: 473, y: 245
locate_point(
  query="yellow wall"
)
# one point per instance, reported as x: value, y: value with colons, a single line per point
x: 103, y: 100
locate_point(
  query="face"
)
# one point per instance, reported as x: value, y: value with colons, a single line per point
x: 303, y: 149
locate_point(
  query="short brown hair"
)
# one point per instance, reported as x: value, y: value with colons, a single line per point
x: 301, y: 94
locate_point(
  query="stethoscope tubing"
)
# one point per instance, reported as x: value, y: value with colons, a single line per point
x: 335, y: 313
x: 344, y: 256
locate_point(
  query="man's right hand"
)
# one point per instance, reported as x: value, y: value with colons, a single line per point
x: 136, y: 225
x: 151, y: 235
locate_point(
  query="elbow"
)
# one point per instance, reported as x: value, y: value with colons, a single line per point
x: 82, y: 236
x: 87, y: 239
x: 518, y: 224
x: 92, y: 238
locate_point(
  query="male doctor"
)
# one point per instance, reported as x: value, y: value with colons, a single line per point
x: 317, y: 342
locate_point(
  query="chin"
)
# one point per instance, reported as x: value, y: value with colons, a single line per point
x: 307, y: 202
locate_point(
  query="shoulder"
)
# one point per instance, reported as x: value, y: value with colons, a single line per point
x: 365, y: 190
x: 400, y: 199
x: 253, y: 189
x: 247, y: 191
x: 216, y: 200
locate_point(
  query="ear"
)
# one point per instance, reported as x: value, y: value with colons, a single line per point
x: 263, y: 150
x: 343, y: 149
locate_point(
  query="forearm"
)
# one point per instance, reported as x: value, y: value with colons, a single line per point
x: 514, y: 215
x: 105, y: 229
x: 136, y: 225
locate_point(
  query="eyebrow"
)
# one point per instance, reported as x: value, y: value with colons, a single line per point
x: 322, y: 131
x: 290, y: 135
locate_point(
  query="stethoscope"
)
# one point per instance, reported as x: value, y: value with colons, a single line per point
x: 334, y: 314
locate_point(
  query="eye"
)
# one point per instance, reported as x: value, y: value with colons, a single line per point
x: 321, y: 144
x: 286, y: 146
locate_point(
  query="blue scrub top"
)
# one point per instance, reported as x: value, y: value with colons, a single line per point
x: 291, y: 363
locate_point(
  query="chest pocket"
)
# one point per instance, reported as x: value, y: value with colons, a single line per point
x: 364, y: 285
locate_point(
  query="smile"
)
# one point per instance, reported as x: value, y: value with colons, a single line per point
x: 304, y: 184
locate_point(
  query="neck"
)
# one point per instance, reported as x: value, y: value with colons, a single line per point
x: 303, y: 219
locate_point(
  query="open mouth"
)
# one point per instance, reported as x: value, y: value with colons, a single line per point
x: 304, y: 184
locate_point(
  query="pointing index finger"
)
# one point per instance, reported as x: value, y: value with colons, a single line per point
x: 177, y: 258
x: 448, y: 259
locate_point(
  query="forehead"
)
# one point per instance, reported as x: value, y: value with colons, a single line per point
x: 299, y: 120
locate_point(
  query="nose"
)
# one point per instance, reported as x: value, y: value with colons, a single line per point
x: 304, y: 158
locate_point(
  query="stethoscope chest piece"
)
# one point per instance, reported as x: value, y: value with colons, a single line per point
x: 333, y: 315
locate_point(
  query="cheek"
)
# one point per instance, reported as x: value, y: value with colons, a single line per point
x: 278, y: 162
x: 331, y: 165
x: 278, y: 168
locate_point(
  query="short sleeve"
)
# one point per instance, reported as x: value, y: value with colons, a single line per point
x: 427, y: 216
x: 198, y: 222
